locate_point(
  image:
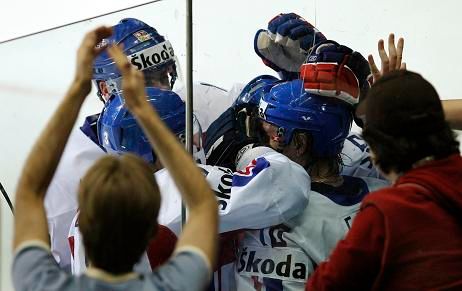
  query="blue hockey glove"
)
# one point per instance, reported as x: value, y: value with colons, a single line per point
x: 286, y: 43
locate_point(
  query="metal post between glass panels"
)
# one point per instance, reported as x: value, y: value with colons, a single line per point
x: 189, y: 87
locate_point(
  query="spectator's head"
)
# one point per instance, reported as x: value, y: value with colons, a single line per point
x: 307, y: 128
x: 405, y: 122
x: 119, y: 132
x: 146, y: 49
x: 119, y: 202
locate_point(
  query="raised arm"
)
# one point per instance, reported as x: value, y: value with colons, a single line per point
x: 201, y: 228
x: 30, y: 220
x: 394, y: 61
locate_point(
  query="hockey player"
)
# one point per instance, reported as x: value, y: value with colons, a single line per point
x: 284, y: 46
x: 310, y: 129
x: 150, y: 52
x: 83, y: 149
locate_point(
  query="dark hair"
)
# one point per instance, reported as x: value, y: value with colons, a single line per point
x: 400, y: 153
x: 331, y: 165
x: 119, y: 202
x: 405, y: 122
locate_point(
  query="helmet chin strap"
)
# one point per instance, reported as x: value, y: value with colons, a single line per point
x: 173, y: 76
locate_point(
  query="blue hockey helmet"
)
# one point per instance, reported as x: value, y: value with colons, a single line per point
x: 289, y: 107
x: 254, y: 90
x: 146, y: 49
x: 118, y: 131
x: 335, y: 70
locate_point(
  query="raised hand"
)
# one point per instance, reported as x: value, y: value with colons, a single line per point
x: 133, y: 80
x: 90, y: 47
x: 391, y: 61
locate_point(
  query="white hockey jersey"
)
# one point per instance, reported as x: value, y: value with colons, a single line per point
x: 213, y: 101
x: 272, y: 190
x: 282, y: 257
x: 356, y: 158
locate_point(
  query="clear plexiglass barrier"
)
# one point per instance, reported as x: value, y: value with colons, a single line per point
x: 36, y: 70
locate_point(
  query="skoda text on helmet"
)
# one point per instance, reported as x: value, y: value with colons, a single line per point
x: 118, y: 131
x: 289, y: 107
x: 334, y: 70
x: 146, y: 49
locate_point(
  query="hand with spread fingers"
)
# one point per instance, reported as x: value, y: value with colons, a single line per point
x: 90, y: 47
x: 133, y: 80
x: 391, y: 61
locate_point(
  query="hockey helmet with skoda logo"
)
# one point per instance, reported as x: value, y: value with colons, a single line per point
x: 290, y: 108
x: 145, y: 48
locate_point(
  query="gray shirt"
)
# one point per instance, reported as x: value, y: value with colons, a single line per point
x: 34, y: 268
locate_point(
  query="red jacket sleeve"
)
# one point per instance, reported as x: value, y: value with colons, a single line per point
x: 355, y: 262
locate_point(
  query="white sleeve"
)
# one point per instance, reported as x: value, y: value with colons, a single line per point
x: 58, y: 227
x: 209, y: 102
x: 76, y: 248
x: 269, y: 191
x: 356, y: 158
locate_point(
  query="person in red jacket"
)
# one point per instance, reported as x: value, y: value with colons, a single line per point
x: 407, y: 236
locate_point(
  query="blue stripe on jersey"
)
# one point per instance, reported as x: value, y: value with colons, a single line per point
x: 272, y: 284
x: 243, y: 177
x: 351, y: 192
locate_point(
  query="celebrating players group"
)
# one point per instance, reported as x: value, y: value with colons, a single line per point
x: 280, y: 194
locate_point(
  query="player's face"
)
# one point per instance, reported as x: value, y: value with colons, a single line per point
x: 272, y: 139
x: 158, y: 78
x: 271, y: 133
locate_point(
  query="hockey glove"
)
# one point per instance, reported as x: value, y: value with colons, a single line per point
x: 284, y: 46
x: 334, y: 70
